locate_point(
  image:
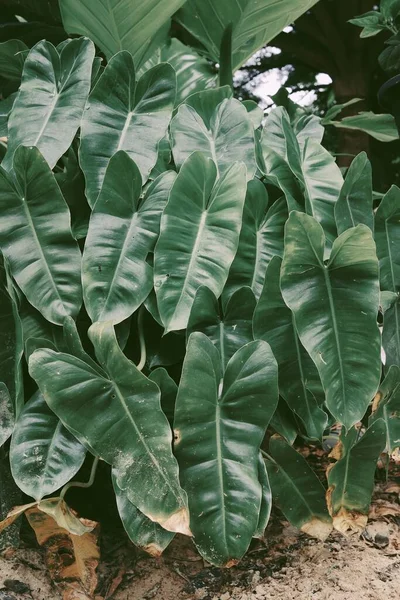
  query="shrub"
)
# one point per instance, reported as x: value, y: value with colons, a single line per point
x: 228, y: 278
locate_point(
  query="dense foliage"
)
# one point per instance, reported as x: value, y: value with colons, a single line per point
x: 180, y: 275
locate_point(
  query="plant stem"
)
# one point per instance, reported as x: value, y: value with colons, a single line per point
x: 266, y: 455
x: 142, y: 341
x: 225, y: 58
x: 81, y: 484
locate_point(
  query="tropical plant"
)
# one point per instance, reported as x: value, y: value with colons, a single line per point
x: 191, y: 287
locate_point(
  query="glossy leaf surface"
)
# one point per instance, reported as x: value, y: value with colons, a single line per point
x: 299, y: 382
x: 124, y: 115
x: 49, y: 107
x: 254, y: 23
x: 266, y: 499
x: 129, y: 404
x: 44, y: 455
x: 168, y: 389
x: 229, y: 328
x: 202, y: 216
x: 146, y: 534
x: 219, y: 426
x: 12, y: 58
x: 116, y: 25
x: 36, y: 239
x: 335, y: 308
x: 261, y: 238
x: 351, y: 479
x: 354, y: 204
x: 123, y: 229
x: 297, y: 490
x: 227, y: 137
x: 386, y: 406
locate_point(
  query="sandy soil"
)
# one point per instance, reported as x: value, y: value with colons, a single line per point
x: 288, y: 566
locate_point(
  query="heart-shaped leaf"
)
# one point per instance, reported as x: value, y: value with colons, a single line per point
x: 49, y: 107
x: 335, y: 309
x: 129, y: 404
x: 220, y: 422
x: 124, y: 115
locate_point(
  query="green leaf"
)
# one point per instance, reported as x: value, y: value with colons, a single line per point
x: 5, y: 110
x: 123, y: 229
x: 168, y: 389
x: 284, y: 423
x: 387, y: 238
x: 49, y: 107
x: 206, y: 102
x: 11, y: 351
x: 227, y: 138
x: 299, y: 382
x: 389, y: 58
x: 193, y: 72
x: 336, y: 109
x: 256, y: 113
x: 371, y: 21
x: 314, y: 172
x: 351, y: 479
x: 297, y: 490
x: 229, y: 328
x: 390, y: 9
x: 219, y: 425
x: 254, y: 24
x: 12, y: 58
x: 139, y: 447
x: 203, y: 214
x: 266, y: 499
x: 36, y: 239
x: 116, y: 25
x: 381, y: 127
x: 124, y: 115
x: 335, y: 308
x: 7, y: 412
x: 354, y: 204
x: 386, y: 406
x: 261, y: 238
x: 44, y: 455
x: 147, y: 535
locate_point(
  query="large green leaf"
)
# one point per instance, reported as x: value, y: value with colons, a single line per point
x: 132, y: 434
x: 12, y: 58
x: 116, y: 25
x: 387, y: 237
x: 297, y: 490
x: 387, y: 407
x: 351, y: 479
x: 354, y: 204
x: 229, y: 328
x: 146, y: 534
x: 381, y: 127
x: 168, y: 389
x: 124, y: 115
x: 314, y: 171
x: 284, y: 422
x: 220, y: 422
x: 44, y: 455
x: 11, y: 350
x: 299, y: 382
x: 49, y: 107
x: 335, y: 308
x: 227, y: 138
x: 122, y: 231
x: 261, y: 238
x: 5, y: 110
x: 199, y: 236
x: 255, y: 23
x: 36, y: 239
x: 193, y: 72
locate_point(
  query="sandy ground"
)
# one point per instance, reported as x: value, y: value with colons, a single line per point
x: 288, y: 566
